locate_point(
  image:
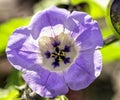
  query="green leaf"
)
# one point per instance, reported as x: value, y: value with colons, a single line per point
x: 14, y: 79
x: 9, y: 94
x: 96, y: 10
x: 61, y: 98
x: 75, y: 2
x: 7, y: 28
x: 111, y: 52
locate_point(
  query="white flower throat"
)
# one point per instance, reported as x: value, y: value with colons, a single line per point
x: 58, y: 53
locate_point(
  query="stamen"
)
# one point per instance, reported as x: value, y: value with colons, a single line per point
x: 56, y: 63
x: 67, y: 60
x: 56, y: 43
x: 53, y: 55
x: 57, y: 49
x: 67, y: 48
x: 60, y: 53
x: 47, y: 54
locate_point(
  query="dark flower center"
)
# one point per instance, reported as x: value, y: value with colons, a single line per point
x: 58, y: 54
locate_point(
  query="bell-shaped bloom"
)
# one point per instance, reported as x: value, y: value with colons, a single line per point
x: 57, y: 51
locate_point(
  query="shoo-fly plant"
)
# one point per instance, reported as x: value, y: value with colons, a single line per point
x: 57, y: 51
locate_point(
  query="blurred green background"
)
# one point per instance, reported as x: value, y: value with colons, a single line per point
x: 20, y: 13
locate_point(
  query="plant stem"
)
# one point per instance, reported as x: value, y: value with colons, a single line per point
x: 109, y: 40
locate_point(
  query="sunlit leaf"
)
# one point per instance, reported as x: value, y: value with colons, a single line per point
x: 61, y: 98
x: 75, y: 2
x: 9, y: 94
x: 111, y: 52
x: 96, y: 10
x: 7, y: 28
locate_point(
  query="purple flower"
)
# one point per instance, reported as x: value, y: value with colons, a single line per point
x: 58, y: 50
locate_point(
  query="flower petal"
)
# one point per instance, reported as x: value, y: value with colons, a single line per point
x: 25, y: 53
x: 21, y: 49
x: 36, y: 79
x: 85, y: 30
x: 46, y: 20
x: 91, y: 61
x: 97, y: 63
x: 77, y: 78
x: 50, y: 85
x: 56, y: 84
x: 84, y: 71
